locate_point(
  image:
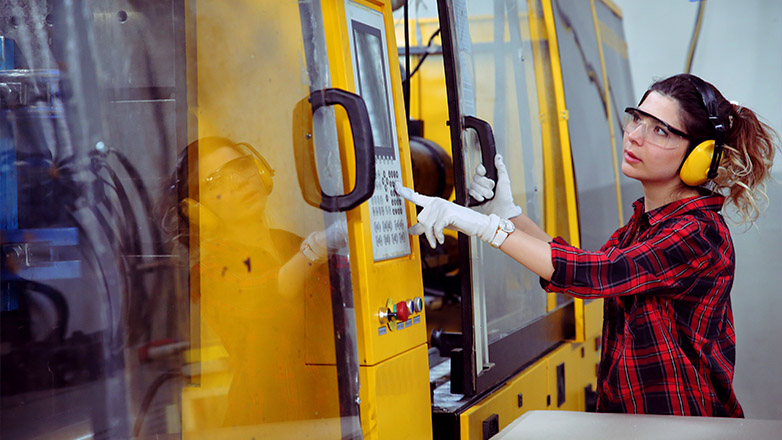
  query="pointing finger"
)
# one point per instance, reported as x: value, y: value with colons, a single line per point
x: 411, y: 195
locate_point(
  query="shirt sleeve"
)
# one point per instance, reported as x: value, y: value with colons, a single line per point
x: 668, y: 262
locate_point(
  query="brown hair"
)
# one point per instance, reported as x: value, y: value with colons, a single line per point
x: 750, y: 144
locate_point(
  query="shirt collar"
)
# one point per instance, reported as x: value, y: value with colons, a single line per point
x: 711, y: 202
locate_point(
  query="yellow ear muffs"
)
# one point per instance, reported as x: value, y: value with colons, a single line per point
x: 198, y: 214
x: 695, y: 169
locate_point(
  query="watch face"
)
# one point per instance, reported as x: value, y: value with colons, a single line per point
x: 507, y: 226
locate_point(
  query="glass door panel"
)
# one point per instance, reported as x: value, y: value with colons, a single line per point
x: 275, y: 249
x: 620, y: 84
x: 489, y: 64
x: 596, y: 169
x: 158, y: 240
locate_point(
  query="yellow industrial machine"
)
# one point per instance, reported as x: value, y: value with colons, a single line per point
x: 200, y: 237
x: 538, y: 72
x: 347, y: 338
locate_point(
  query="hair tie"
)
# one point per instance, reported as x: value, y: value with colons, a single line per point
x: 738, y: 109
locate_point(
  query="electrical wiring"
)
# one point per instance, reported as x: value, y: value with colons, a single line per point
x: 96, y: 263
x: 151, y: 301
x: 150, y: 395
x: 423, y: 57
x: 56, y: 297
x: 591, y: 72
x: 140, y: 303
x: 406, y: 84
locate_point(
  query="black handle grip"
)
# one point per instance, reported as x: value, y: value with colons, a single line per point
x: 363, y: 145
x: 488, y: 149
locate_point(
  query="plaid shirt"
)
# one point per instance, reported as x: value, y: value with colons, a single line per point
x: 668, y: 340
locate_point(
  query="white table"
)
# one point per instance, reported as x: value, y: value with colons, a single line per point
x: 570, y: 425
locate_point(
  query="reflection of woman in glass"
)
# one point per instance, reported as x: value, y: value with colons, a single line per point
x: 668, y: 340
x: 252, y: 278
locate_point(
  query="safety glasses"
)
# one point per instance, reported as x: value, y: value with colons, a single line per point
x: 655, y: 131
x: 235, y: 172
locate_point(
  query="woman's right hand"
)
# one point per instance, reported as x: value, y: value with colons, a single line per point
x: 482, y: 188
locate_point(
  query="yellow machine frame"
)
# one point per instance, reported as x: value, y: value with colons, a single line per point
x: 393, y: 360
x: 394, y: 364
x: 535, y: 387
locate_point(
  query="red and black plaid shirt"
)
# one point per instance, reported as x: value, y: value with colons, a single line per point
x: 668, y: 340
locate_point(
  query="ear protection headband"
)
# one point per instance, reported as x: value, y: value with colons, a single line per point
x: 702, y: 162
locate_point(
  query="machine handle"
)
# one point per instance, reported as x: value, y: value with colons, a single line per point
x: 363, y: 145
x: 488, y: 149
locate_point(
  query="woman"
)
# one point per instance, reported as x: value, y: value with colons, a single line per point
x: 668, y: 341
x: 253, y: 280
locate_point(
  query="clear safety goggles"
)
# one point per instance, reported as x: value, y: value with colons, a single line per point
x: 655, y: 131
x: 234, y: 173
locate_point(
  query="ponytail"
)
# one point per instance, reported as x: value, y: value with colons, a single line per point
x: 746, y: 163
x: 749, y: 148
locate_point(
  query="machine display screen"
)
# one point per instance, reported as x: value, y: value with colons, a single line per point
x: 372, y: 84
x: 372, y: 81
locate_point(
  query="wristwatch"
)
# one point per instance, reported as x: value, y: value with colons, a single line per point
x: 505, y: 228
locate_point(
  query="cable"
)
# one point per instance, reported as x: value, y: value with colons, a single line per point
x: 591, y: 72
x: 421, y: 60
x: 151, y: 391
x: 57, y: 299
x: 406, y: 84
x: 696, y: 32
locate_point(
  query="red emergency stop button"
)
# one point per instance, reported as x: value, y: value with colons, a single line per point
x: 402, y: 312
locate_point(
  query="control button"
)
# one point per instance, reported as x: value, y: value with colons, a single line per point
x: 418, y: 304
x: 385, y: 314
x: 402, y: 312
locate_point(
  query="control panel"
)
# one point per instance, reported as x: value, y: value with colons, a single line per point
x: 400, y: 315
x: 372, y: 80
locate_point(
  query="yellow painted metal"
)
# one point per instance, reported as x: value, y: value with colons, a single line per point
x: 394, y: 404
x: 373, y: 282
x: 561, y: 115
x: 395, y: 398
x: 569, y: 188
x: 610, y: 38
x: 531, y: 385
x: 609, y: 111
x: 246, y: 366
x: 274, y: 376
x: 576, y: 378
x: 556, y: 216
x: 593, y: 312
x: 613, y: 7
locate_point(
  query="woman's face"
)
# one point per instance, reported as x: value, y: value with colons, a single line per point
x: 647, y: 162
x: 231, y: 185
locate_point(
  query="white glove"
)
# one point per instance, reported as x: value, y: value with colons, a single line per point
x: 317, y: 245
x: 439, y: 214
x: 481, y: 188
